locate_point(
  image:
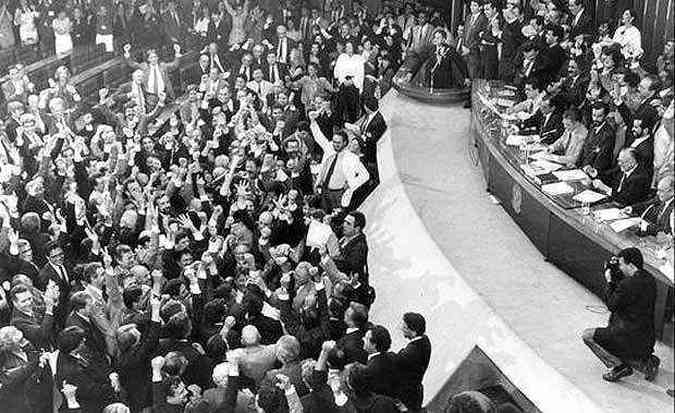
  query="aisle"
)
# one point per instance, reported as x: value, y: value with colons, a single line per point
x: 441, y: 247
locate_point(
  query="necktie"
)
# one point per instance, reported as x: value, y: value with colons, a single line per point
x: 620, y: 187
x: 329, y: 173
x: 271, y: 77
x: 459, y: 45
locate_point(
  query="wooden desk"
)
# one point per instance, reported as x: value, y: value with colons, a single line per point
x: 577, y: 243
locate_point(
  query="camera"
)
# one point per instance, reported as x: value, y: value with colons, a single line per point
x: 612, y: 265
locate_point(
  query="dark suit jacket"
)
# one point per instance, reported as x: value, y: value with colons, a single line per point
x: 352, y: 345
x: 657, y: 214
x: 471, y: 31
x: 94, y: 391
x: 383, y: 374
x: 413, y: 361
x: 549, y: 130
x: 631, y: 331
x: 354, y: 258
x: 199, y: 366
x: 598, y: 150
x: 39, y: 332
x: 61, y: 311
x: 135, y: 376
x: 583, y: 26
x: 573, y: 91
x: 372, y: 135
x: 555, y: 58
x: 95, y: 344
x: 633, y: 189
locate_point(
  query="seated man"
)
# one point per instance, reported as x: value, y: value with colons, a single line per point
x: 547, y: 122
x: 596, y: 155
x: 567, y: 149
x: 629, y: 338
x: 656, y: 213
x: 630, y: 184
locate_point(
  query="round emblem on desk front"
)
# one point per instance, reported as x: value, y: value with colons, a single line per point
x: 516, y: 198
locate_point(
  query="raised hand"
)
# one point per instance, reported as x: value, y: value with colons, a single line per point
x: 328, y: 346
x: 127, y: 48
x: 157, y: 363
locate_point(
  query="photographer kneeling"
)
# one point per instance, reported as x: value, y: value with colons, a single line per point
x: 630, y: 336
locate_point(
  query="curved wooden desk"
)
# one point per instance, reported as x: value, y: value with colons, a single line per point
x: 577, y: 243
x: 436, y: 96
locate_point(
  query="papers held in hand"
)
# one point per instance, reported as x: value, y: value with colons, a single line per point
x: 624, y: 224
x: 609, y: 214
x: 589, y: 197
x: 558, y: 188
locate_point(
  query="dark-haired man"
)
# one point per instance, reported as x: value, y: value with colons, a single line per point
x: 381, y: 365
x: 597, y: 153
x: 630, y: 335
x: 413, y: 361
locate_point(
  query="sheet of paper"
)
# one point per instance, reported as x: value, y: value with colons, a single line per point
x: 517, y: 140
x: 609, y: 214
x: 667, y: 269
x: 624, y: 224
x: 317, y: 234
x: 570, y: 175
x: 548, y: 165
x: 532, y: 170
x: 558, y: 188
x: 589, y: 196
x: 505, y: 102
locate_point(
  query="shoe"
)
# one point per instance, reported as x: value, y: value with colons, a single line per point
x: 617, y: 373
x: 467, y: 104
x: 652, y: 368
x: 670, y: 392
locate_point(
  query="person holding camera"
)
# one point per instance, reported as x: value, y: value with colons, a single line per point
x: 629, y: 338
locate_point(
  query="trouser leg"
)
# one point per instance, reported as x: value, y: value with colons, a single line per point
x: 605, y: 356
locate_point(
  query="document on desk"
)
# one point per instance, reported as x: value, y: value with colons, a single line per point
x: 589, y: 196
x: 570, y: 175
x: 505, y: 102
x: 609, y: 214
x: 547, y: 165
x: 668, y: 270
x: 558, y: 188
x: 624, y: 224
x: 518, y: 140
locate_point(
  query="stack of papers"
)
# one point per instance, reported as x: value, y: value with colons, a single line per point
x: 518, y: 140
x: 558, y: 188
x: 505, y: 102
x: 571, y: 175
x: 589, y: 197
x: 609, y: 214
x: 624, y: 224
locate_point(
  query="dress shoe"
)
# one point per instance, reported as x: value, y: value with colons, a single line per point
x: 670, y: 392
x: 617, y: 373
x: 652, y: 368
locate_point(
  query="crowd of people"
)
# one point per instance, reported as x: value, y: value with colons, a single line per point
x: 200, y: 252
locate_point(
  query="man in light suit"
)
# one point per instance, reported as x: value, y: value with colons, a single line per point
x: 284, y: 46
x: 341, y: 173
x: 421, y: 34
x: 413, y: 361
x: 156, y: 73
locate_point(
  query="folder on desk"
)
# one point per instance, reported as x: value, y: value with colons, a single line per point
x: 609, y: 214
x: 558, y: 188
x: 589, y: 197
x: 624, y: 224
x: 571, y: 175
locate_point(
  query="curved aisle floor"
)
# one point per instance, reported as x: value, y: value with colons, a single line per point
x: 439, y: 246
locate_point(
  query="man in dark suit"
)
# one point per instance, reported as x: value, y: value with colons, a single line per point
x: 470, y: 50
x: 554, y: 55
x: 56, y: 272
x: 597, y: 152
x: 630, y: 183
x: 648, y: 91
x: 381, y: 367
x: 353, y: 258
x: 371, y: 127
x: 532, y: 67
x: 218, y: 30
x: 95, y: 387
x: 582, y: 21
x: 172, y: 23
x: 489, y: 40
x: 511, y: 40
x: 284, y: 46
x: 36, y: 328
x: 413, y: 361
x: 656, y: 212
x: 274, y: 71
x: 631, y: 334
x: 546, y: 122
x: 81, y: 316
x: 351, y: 344
x: 574, y: 85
